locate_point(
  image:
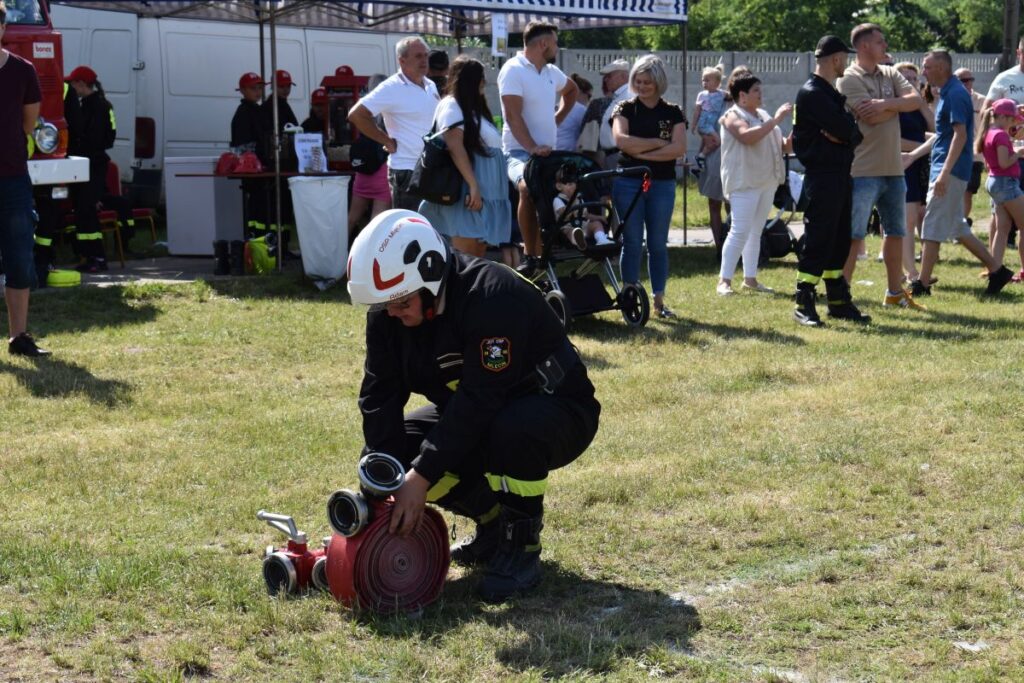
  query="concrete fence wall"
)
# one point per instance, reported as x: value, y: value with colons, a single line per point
x: 782, y: 73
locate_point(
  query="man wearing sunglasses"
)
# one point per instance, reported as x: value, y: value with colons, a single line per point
x: 509, y: 397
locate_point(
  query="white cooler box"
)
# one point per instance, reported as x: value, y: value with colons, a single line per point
x: 200, y: 210
x: 321, y: 218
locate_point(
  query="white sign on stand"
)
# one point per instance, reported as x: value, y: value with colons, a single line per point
x: 309, y: 150
x: 499, y: 35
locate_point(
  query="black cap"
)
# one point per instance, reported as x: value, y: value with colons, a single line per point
x: 830, y: 45
x: 438, y: 60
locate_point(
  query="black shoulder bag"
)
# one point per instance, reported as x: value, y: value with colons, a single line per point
x: 435, y: 178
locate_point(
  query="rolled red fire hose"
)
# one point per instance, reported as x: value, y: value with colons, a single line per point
x: 382, y: 572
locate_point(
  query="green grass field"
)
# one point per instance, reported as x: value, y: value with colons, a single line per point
x: 762, y: 502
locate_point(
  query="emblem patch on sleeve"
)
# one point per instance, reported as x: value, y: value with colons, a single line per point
x: 495, y: 353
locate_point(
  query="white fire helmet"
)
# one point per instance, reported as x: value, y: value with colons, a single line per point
x: 396, y: 254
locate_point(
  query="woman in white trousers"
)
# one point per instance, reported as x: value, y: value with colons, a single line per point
x: 752, y: 169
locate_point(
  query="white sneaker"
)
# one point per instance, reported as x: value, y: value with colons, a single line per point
x: 724, y: 289
x: 601, y: 238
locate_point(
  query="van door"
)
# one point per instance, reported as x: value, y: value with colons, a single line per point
x: 107, y: 43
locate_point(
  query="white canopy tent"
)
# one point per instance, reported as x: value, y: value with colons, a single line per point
x: 451, y: 17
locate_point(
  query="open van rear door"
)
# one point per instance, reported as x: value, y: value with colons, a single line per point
x: 107, y: 42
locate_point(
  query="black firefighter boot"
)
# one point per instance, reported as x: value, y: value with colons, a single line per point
x: 840, y: 301
x: 515, y: 567
x: 480, y: 505
x: 236, y: 257
x: 805, y: 313
x: 221, y: 257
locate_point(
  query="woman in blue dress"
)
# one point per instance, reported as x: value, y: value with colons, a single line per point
x: 483, y: 215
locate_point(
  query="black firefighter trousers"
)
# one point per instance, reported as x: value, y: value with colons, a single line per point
x: 532, y: 435
x: 829, y: 197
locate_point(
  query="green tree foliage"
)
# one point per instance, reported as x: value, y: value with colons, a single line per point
x: 796, y: 25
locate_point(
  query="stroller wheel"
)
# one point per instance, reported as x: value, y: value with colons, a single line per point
x: 634, y: 304
x: 559, y: 303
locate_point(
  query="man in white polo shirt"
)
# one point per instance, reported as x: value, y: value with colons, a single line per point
x: 530, y: 86
x: 406, y: 101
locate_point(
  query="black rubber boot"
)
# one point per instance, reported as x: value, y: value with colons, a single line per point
x: 840, y: 301
x: 480, y: 547
x: 237, y: 257
x: 805, y: 312
x: 479, y: 503
x: 515, y: 568
x: 221, y: 257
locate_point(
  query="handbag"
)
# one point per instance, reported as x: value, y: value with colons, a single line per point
x: 435, y: 177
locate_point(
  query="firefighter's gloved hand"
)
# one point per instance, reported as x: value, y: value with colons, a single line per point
x: 409, y: 503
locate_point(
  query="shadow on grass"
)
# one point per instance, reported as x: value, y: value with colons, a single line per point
x: 85, y: 308
x: 682, y: 330
x: 54, y: 378
x: 291, y: 284
x: 570, y: 625
x: 957, y: 327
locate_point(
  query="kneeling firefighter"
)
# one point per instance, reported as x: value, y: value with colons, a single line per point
x: 510, y: 398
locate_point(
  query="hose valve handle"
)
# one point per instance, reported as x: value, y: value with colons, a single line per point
x: 284, y: 524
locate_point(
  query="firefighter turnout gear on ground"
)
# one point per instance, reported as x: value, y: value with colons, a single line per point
x: 825, y: 136
x: 491, y: 433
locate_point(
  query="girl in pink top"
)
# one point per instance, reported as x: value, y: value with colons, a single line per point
x: 994, y: 142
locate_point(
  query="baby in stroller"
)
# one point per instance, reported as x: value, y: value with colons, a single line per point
x: 570, y: 221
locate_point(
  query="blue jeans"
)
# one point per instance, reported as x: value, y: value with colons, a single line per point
x: 653, y: 209
x: 16, y: 230
x: 889, y: 195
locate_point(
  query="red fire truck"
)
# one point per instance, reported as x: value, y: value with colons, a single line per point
x: 30, y: 35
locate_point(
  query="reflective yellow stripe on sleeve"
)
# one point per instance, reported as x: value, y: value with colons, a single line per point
x: 443, y: 487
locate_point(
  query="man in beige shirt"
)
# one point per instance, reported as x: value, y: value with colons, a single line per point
x: 876, y: 94
x: 965, y: 76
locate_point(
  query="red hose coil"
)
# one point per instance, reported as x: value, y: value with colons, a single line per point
x: 385, y: 573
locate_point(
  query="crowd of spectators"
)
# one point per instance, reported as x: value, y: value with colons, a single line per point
x: 915, y: 167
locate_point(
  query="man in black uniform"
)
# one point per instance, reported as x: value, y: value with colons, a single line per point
x: 93, y: 136
x: 317, y: 120
x: 510, y: 398
x: 285, y: 117
x: 247, y: 133
x: 825, y: 135
x: 247, y: 123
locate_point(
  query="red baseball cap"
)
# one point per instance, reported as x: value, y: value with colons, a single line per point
x: 319, y: 96
x: 249, y: 79
x: 284, y: 78
x: 82, y: 73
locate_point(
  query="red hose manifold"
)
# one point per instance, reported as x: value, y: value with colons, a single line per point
x: 385, y: 573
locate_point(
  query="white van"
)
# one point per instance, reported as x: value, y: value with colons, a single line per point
x: 172, y: 81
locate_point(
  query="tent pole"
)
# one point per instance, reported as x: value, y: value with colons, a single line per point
x: 263, y: 60
x: 276, y: 137
x: 686, y: 170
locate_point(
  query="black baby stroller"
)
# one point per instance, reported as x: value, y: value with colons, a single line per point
x: 572, y: 281
x: 777, y: 240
